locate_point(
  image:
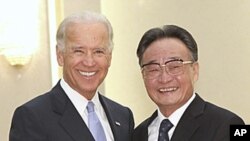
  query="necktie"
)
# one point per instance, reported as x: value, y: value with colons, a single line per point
x: 94, y: 123
x: 165, y: 126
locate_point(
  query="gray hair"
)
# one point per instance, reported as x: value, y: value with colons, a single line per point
x: 86, y: 17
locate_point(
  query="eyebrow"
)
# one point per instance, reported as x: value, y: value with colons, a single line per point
x: 168, y: 59
x: 81, y: 47
x: 76, y: 47
x: 155, y: 61
x: 173, y: 58
x: 150, y: 62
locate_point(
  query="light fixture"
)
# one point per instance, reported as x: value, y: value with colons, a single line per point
x: 17, y: 56
x: 19, y: 40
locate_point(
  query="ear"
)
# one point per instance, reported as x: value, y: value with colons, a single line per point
x: 59, y: 55
x: 109, y: 58
x: 196, y: 71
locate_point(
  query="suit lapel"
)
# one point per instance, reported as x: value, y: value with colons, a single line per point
x: 70, y: 120
x: 141, y: 131
x: 148, y: 122
x: 188, y: 123
x: 109, y: 110
x: 185, y: 129
x: 74, y: 125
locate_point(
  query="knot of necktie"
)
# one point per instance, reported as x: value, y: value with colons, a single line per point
x: 90, y: 107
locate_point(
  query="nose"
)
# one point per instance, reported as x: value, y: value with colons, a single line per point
x: 164, y: 76
x: 89, y: 60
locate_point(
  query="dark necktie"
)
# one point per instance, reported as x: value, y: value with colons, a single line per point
x: 165, y: 126
x: 94, y: 123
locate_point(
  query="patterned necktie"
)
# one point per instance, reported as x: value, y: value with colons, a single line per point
x: 94, y: 123
x: 165, y: 126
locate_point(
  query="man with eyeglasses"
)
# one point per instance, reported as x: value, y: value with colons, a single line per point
x: 168, y: 57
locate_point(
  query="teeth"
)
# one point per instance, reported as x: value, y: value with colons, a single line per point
x: 167, y: 89
x: 87, y: 73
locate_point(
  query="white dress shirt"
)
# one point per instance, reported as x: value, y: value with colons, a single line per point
x: 80, y: 103
x: 153, y: 128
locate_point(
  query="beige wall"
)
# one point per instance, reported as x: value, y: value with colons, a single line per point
x: 74, y: 6
x: 220, y: 28
x: 222, y: 31
x: 19, y: 84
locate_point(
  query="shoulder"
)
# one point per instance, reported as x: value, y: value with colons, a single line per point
x: 212, y: 112
x: 117, y: 109
x: 141, y: 131
x: 36, y: 105
x: 143, y: 126
x: 220, y: 113
x: 56, y: 96
x: 112, y: 104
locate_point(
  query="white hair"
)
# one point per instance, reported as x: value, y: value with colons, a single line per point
x: 86, y: 17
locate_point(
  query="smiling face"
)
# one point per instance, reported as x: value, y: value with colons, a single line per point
x: 167, y: 91
x: 86, y: 57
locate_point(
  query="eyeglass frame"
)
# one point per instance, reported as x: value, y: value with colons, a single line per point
x: 166, y: 68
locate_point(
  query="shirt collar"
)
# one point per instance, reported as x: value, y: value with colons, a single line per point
x: 79, y: 101
x: 176, y: 115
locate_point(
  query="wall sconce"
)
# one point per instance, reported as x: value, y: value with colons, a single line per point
x: 19, y: 40
x: 17, y: 56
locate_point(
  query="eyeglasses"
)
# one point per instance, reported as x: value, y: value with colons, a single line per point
x: 172, y: 67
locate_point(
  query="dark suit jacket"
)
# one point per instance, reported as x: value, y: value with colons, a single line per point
x: 52, y: 117
x: 202, y: 121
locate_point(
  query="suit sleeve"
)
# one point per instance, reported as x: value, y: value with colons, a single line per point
x: 26, y: 126
x: 223, y: 133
